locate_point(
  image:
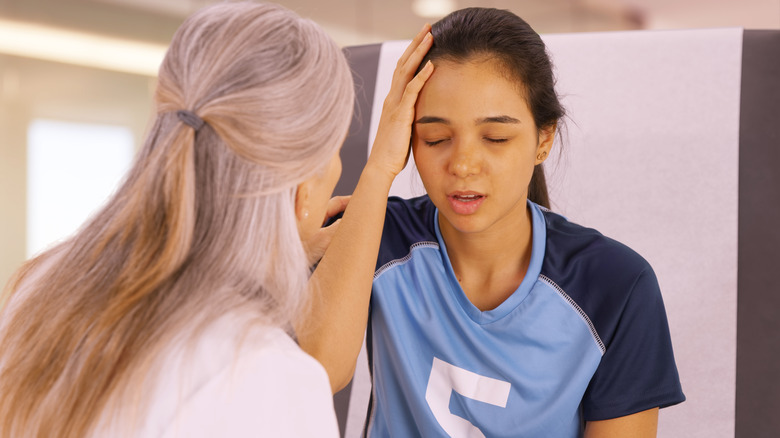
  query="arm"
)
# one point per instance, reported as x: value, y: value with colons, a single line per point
x: 333, y: 332
x: 640, y: 425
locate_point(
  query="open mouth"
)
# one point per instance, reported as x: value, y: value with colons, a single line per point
x: 465, y: 202
x: 467, y: 198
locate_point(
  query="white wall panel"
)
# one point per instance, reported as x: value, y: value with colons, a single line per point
x: 651, y: 159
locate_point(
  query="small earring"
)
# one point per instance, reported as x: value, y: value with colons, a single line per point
x: 541, y: 156
x: 305, y: 213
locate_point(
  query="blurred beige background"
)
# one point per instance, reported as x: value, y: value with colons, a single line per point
x: 89, y: 86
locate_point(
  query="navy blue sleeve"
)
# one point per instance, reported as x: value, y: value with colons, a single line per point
x: 407, y: 222
x: 637, y: 371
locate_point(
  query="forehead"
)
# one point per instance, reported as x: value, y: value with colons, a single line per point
x: 479, y: 85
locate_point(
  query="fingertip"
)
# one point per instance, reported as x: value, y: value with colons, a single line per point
x: 427, y: 68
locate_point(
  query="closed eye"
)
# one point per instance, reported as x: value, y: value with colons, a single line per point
x: 496, y: 140
x: 433, y: 142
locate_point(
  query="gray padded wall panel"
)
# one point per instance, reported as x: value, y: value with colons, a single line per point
x: 758, y: 327
x: 364, y: 62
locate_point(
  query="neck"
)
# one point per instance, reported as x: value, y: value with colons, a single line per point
x: 492, y: 263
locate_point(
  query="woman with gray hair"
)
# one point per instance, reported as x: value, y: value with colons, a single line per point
x: 169, y: 312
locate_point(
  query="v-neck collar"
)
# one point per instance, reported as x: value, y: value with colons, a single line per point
x: 538, y: 240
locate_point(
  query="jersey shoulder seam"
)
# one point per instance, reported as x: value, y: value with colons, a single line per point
x: 577, y: 309
x: 400, y: 261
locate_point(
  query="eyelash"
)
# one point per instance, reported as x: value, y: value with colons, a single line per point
x: 491, y: 140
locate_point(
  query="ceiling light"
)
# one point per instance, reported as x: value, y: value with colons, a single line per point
x: 433, y: 8
x: 80, y: 48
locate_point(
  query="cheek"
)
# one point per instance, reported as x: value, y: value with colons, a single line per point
x: 416, y: 154
x: 524, y: 172
x: 511, y: 168
x: 331, y: 176
x: 335, y: 175
x: 424, y: 160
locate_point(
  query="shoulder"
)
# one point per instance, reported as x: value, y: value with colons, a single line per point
x: 265, y: 358
x: 602, y: 276
x: 412, y: 216
x: 619, y: 296
x: 579, y: 255
x: 273, y: 358
x: 273, y: 372
x: 264, y: 383
x: 408, y: 222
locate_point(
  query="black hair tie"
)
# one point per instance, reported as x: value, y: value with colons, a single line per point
x: 191, y: 119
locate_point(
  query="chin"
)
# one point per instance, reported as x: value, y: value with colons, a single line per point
x: 464, y: 224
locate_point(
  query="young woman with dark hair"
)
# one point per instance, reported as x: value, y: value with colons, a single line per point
x: 489, y: 314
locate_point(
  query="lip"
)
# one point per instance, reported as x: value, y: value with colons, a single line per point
x: 465, y: 201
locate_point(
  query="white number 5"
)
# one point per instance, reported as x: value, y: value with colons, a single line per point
x: 444, y: 379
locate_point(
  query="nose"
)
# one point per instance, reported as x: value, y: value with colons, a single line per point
x: 465, y: 160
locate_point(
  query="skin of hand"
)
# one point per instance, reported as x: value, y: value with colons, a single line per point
x: 395, y: 124
x: 318, y: 243
x: 341, y: 284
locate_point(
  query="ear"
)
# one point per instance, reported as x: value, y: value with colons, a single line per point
x: 546, y: 139
x: 302, y: 200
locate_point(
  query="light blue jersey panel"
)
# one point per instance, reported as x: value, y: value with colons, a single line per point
x: 442, y: 367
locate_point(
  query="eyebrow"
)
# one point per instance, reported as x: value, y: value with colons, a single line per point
x: 424, y: 120
x: 494, y: 119
x: 498, y: 119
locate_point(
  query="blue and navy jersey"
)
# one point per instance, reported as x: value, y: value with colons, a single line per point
x: 584, y: 337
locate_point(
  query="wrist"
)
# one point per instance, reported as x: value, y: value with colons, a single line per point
x: 379, y: 174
